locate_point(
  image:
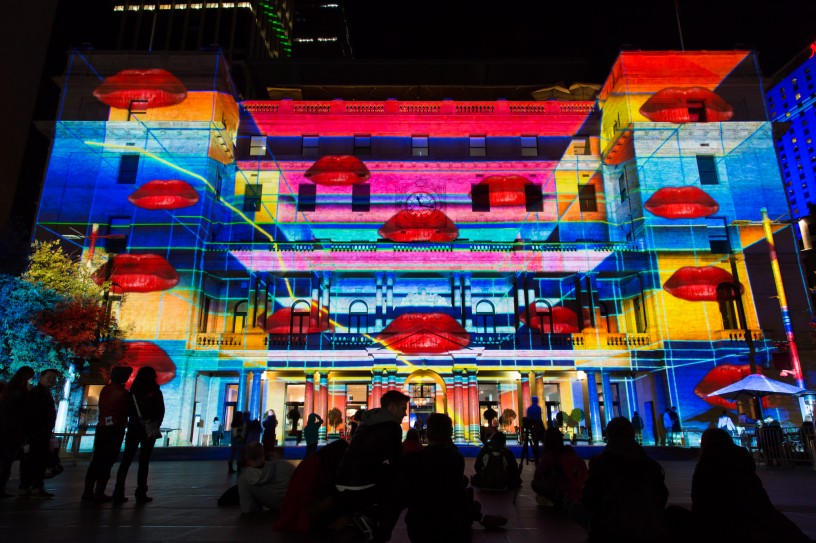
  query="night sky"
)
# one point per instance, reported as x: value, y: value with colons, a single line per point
x: 777, y: 29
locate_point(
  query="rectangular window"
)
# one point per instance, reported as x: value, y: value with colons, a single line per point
x: 718, y: 236
x: 362, y: 145
x: 580, y: 146
x: 478, y: 146
x: 307, y: 197
x: 204, y: 322
x: 586, y: 198
x: 622, y: 186
x: 419, y: 145
x: 128, y: 167
x: 529, y: 146
x: 310, y: 144
x: 707, y: 167
x: 361, y: 198
x: 257, y: 146
x: 480, y: 196
x: 118, y: 235
x: 637, y: 313
x: 533, y: 199
x: 252, y: 197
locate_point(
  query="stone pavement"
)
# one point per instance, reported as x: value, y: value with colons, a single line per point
x: 185, y: 509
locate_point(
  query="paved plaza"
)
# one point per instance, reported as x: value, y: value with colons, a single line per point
x: 185, y: 509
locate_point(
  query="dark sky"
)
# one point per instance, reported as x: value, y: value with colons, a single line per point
x: 777, y: 29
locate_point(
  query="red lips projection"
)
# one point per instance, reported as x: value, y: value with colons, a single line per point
x: 424, y: 333
x: 505, y: 190
x: 338, y: 170
x: 161, y: 194
x: 681, y: 203
x: 721, y: 377
x: 407, y: 226
x: 686, y: 105
x: 137, y: 273
x: 699, y: 284
x: 564, y: 320
x: 145, y: 89
x: 283, y: 322
x: 145, y: 353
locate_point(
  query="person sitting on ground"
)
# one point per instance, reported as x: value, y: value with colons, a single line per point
x: 625, y: 495
x: 368, y: 469
x: 726, y: 471
x: 311, y: 432
x: 560, y: 473
x: 310, y: 502
x: 262, y: 483
x: 433, y: 485
x: 412, y: 442
x: 496, y: 467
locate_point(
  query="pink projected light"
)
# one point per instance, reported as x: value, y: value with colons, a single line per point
x: 700, y: 284
x: 143, y: 89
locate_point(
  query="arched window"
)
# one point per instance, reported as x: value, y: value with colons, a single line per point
x: 301, y: 312
x: 543, y: 314
x: 484, y: 318
x: 358, y: 317
x: 239, y: 317
x: 726, y: 295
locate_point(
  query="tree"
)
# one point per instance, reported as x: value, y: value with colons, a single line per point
x: 335, y: 417
x: 50, y: 266
x: 508, y: 418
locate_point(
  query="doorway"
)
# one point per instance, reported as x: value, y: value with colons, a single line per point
x: 421, y: 404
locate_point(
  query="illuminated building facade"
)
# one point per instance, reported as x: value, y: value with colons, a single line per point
x: 307, y: 255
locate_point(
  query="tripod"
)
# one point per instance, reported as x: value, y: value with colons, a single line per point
x: 527, y: 440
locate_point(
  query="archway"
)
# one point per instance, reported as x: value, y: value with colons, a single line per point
x: 429, y: 377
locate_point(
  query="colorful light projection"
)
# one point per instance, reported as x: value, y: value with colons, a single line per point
x: 164, y: 194
x: 414, y: 226
x: 721, y: 377
x: 139, y: 354
x: 686, y: 105
x: 305, y: 320
x: 701, y: 284
x: 564, y: 319
x: 424, y: 333
x: 338, y: 171
x: 505, y: 190
x: 137, y: 273
x: 142, y: 89
x: 688, y: 202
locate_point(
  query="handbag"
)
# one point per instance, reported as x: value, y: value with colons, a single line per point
x: 152, y: 430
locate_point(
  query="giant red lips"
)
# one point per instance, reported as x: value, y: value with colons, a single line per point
x: 283, y: 321
x: 137, y: 273
x: 424, y: 333
x: 408, y: 226
x: 721, y: 377
x: 686, y: 105
x: 161, y: 194
x: 338, y: 170
x: 681, y: 203
x: 505, y: 190
x: 145, y: 89
x: 144, y: 353
x: 564, y: 319
x: 701, y: 284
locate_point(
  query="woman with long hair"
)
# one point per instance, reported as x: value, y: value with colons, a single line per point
x: 12, y: 420
x: 148, y: 405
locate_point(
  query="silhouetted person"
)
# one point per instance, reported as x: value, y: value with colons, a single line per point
x: 489, y: 415
x: 311, y: 432
x: 728, y: 500
x: 147, y: 395
x: 411, y: 442
x: 364, y: 478
x: 625, y: 494
x: 560, y: 474
x: 41, y: 414
x: 270, y: 426
x: 355, y: 422
x: 217, y: 430
x: 114, y: 408
x: 495, y: 465
x: 262, y: 482
x: 237, y: 439
x: 637, y: 423
x: 725, y: 423
x: 535, y: 424
x: 253, y: 428
x: 12, y: 422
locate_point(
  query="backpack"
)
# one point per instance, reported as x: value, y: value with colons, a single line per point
x: 575, y: 474
x: 494, y: 474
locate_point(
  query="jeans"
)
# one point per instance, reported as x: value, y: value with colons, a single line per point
x: 136, y: 439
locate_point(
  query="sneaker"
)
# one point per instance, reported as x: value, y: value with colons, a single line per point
x: 493, y: 522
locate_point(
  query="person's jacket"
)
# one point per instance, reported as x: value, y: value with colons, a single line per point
x: 270, y: 423
x: 115, y: 405
x: 378, y: 439
x: 264, y: 486
x: 151, y: 406
x: 310, y: 432
x: 40, y: 412
x: 13, y: 417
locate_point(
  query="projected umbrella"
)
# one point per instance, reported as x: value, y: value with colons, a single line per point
x: 756, y: 386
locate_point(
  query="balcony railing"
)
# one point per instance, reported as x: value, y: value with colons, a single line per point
x: 628, y: 340
x: 739, y: 335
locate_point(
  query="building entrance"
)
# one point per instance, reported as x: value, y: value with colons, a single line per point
x: 422, y: 404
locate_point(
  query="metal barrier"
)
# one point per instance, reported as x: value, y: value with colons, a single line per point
x: 777, y: 446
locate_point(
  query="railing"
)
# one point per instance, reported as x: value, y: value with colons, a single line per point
x: 219, y: 340
x: 437, y: 107
x: 494, y: 340
x: 628, y: 340
x: 739, y: 335
x: 350, y: 340
x: 777, y: 446
x: 423, y: 247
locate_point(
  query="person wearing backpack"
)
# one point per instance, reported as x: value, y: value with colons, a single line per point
x: 560, y: 474
x: 496, y: 467
x: 624, y: 497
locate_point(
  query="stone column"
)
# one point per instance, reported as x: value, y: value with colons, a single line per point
x: 379, y: 310
x: 308, y: 398
x: 323, y: 404
x: 255, y: 395
x: 242, y: 392
x: 606, y: 387
x: 376, y: 390
x: 468, y: 302
x: 389, y: 300
x: 475, y: 419
x: 392, y: 380
x: 594, y: 414
x: 325, y: 299
x: 458, y: 409
x: 525, y: 394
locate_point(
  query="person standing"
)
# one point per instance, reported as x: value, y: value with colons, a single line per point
x: 677, y: 430
x: 668, y: 438
x: 535, y: 424
x: 237, y: 439
x: 270, y: 425
x: 12, y: 417
x: 310, y: 432
x: 114, y: 407
x: 41, y: 414
x: 148, y: 405
x: 725, y: 423
x: 637, y: 422
x: 217, y: 430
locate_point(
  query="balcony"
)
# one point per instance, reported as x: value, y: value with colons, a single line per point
x: 738, y: 335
